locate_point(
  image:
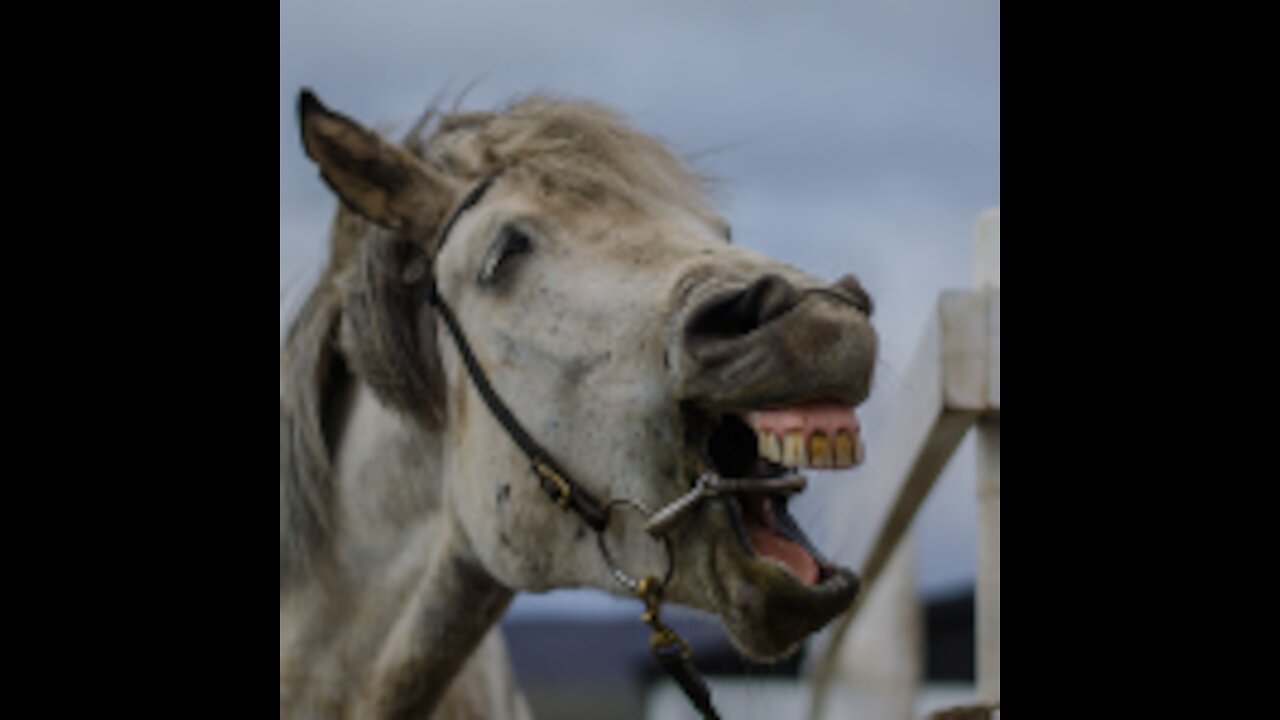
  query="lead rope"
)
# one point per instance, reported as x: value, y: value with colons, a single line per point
x: 671, y: 652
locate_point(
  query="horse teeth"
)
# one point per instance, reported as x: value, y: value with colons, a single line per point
x: 770, y: 448
x: 846, y: 455
x: 794, y: 453
x: 819, y: 450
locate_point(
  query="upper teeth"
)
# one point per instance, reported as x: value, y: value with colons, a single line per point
x: 793, y: 449
x: 819, y: 450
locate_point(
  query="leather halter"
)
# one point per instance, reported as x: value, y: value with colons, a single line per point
x: 669, y: 650
x: 555, y: 480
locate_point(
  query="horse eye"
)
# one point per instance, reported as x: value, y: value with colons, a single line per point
x: 510, y: 242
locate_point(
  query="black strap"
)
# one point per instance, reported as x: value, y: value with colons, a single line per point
x: 671, y: 653
x: 676, y: 662
x: 555, y: 480
x: 468, y: 201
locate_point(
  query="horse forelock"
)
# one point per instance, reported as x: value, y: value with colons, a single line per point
x: 578, y: 151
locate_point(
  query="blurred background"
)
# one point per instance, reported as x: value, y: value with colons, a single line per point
x: 859, y: 136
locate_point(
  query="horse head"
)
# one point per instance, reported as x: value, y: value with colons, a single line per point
x: 603, y: 303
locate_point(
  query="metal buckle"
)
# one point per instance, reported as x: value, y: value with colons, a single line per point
x: 662, y: 636
x: 548, y: 473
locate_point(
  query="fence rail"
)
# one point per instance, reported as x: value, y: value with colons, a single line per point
x: 951, y: 386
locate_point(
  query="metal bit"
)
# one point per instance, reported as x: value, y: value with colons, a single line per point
x: 708, y: 485
x: 663, y: 520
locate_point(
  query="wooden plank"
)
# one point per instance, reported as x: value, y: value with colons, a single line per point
x: 986, y: 250
x: 881, y: 661
x: 987, y: 627
x: 986, y: 277
x: 987, y: 651
x: 963, y: 315
x: 993, y: 353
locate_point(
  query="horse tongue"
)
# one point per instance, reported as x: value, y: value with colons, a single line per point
x: 772, y: 545
x: 765, y: 540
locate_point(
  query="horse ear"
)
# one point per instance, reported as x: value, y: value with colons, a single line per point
x: 376, y: 178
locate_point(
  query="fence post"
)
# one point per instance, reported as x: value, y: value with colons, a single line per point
x: 987, y: 278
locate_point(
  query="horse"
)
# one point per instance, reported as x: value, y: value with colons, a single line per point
x: 532, y: 333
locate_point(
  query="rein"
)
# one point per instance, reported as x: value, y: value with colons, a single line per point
x: 672, y: 652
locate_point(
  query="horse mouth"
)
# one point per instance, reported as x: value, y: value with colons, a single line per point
x: 784, y: 588
x: 776, y: 444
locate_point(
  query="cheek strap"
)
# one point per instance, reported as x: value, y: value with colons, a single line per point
x: 555, y: 480
x: 670, y: 651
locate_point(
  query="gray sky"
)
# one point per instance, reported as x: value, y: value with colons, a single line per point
x: 856, y: 136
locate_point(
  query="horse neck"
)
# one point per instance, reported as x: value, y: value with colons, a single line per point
x: 451, y: 609
x: 397, y: 533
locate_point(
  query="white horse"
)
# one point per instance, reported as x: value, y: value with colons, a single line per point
x: 593, y: 297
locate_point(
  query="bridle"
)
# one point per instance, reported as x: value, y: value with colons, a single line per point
x: 557, y: 482
x: 671, y: 651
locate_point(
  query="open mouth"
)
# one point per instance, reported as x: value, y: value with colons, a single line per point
x: 775, y: 444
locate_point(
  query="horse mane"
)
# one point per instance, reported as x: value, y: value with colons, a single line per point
x: 308, y: 363
x: 571, y: 150
x: 362, y: 322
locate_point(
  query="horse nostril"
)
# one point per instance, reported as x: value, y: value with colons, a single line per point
x: 743, y: 311
x: 852, y: 290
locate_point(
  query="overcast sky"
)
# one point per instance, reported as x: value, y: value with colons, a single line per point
x: 858, y: 136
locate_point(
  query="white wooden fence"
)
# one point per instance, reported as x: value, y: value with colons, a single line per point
x: 951, y: 386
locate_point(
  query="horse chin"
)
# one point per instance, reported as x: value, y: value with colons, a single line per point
x: 767, y: 610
